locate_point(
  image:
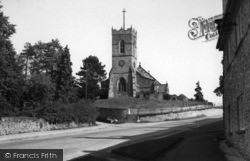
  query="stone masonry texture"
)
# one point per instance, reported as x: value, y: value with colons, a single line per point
x: 234, y: 41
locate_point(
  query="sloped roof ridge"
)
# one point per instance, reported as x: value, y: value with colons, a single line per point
x: 146, y: 73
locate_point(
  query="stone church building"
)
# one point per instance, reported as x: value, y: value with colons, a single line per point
x: 126, y: 78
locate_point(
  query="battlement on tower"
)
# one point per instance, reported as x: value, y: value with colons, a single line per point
x: 122, y: 31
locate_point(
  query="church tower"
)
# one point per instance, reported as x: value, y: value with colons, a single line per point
x: 122, y: 77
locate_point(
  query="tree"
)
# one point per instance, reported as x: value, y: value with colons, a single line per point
x: 198, y: 96
x: 52, y: 52
x: 63, y: 78
x: 166, y: 96
x: 104, y: 93
x: 10, y: 74
x: 40, y: 89
x: 94, y: 70
x: 182, y: 97
x: 24, y: 59
x: 50, y: 62
x: 53, y: 61
x: 40, y: 57
x: 220, y: 90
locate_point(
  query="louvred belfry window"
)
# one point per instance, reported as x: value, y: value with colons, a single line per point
x: 122, y: 46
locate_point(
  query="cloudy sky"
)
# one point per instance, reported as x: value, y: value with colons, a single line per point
x: 163, y: 46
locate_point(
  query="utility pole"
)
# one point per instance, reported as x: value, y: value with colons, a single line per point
x: 86, y: 87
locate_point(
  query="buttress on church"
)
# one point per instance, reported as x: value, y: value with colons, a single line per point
x: 125, y: 78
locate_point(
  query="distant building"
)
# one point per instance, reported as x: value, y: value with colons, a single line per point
x: 234, y: 41
x: 126, y: 79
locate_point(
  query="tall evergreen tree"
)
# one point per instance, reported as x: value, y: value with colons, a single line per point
x: 25, y: 58
x: 93, y: 71
x: 63, y: 78
x: 10, y: 81
x: 198, y: 95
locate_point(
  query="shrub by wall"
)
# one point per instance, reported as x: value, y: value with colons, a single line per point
x: 80, y: 112
x: 52, y: 116
x: 166, y: 96
x: 182, y: 97
x: 112, y: 113
x: 6, y: 109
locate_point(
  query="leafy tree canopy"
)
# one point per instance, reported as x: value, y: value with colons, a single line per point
x: 220, y: 90
x: 93, y: 71
x: 40, y: 57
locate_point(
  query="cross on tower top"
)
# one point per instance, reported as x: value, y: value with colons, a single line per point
x: 124, y: 18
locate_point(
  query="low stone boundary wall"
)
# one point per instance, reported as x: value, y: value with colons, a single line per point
x: 157, y: 111
x: 118, y: 113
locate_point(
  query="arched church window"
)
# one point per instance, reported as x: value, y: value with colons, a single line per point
x: 122, y: 85
x: 122, y: 46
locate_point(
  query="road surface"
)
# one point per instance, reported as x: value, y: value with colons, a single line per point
x: 80, y: 143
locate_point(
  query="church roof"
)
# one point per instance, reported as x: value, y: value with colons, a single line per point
x: 142, y: 72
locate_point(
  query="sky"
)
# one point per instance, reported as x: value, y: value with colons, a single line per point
x: 163, y: 46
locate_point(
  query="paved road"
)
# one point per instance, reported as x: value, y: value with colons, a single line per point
x: 200, y: 144
x: 80, y: 143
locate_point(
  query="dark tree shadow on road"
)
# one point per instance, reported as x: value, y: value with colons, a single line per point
x: 158, y: 144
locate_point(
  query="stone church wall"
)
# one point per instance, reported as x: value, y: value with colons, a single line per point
x: 124, y: 69
x: 114, y: 81
x: 123, y: 64
x: 129, y: 36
